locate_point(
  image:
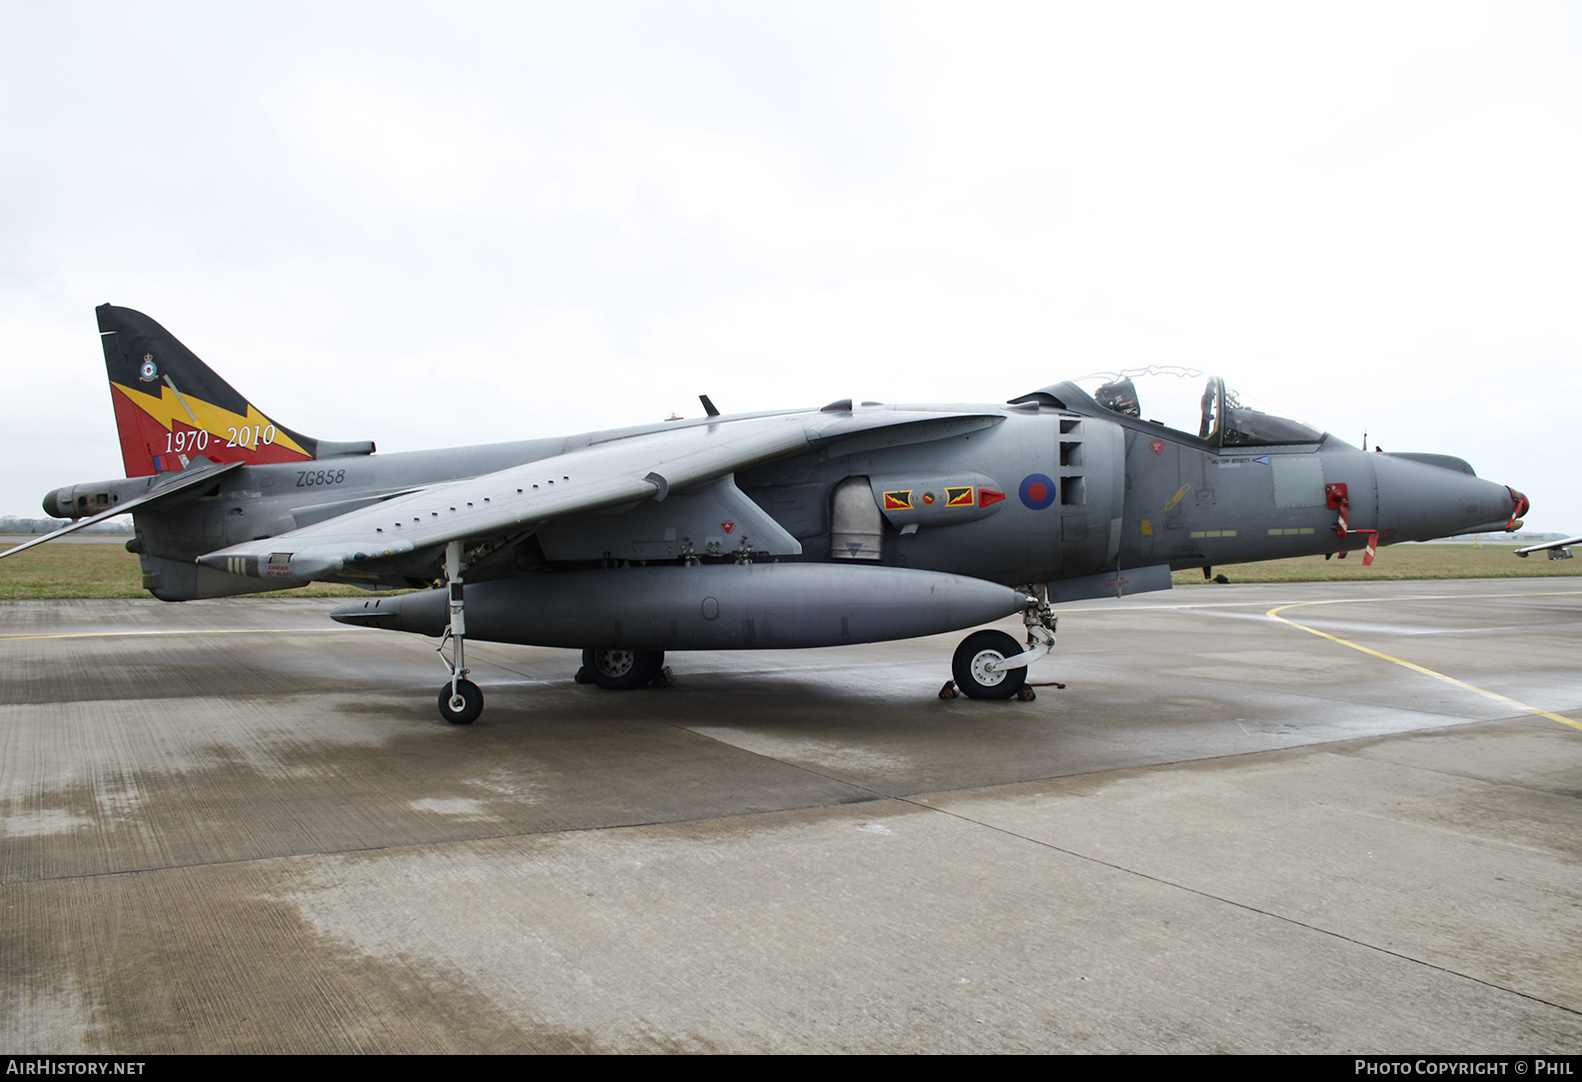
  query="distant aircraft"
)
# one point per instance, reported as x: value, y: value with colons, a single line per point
x: 1558, y: 550
x: 811, y: 527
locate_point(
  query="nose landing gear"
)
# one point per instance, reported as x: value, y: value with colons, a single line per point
x: 979, y: 666
x: 992, y: 665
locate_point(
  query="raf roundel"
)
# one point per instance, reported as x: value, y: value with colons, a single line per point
x: 1037, y: 491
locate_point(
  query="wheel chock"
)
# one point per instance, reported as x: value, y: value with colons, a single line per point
x: 949, y: 690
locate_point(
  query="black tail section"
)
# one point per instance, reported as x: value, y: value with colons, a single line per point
x: 170, y: 407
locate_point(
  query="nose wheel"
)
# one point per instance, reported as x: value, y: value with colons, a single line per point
x: 976, y: 670
x: 992, y: 665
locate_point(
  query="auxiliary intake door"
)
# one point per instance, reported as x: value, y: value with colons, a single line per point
x: 856, y: 528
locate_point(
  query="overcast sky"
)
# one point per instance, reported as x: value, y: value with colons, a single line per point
x: 439, y: 224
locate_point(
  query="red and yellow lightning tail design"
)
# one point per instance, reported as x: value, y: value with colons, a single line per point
x: 170, y: 407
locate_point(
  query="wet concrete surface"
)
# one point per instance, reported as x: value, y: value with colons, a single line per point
x: 237, y: 826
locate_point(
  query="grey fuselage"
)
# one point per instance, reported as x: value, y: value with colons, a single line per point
x: 1060, y: 489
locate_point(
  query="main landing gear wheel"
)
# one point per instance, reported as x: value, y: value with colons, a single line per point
x: 463, y: 707
x: 622, y: 670
x: 973, y: 656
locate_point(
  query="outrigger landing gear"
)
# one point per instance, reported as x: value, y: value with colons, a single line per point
x: 990, y: 665
x: 460, y: 701
x: 461, y: 704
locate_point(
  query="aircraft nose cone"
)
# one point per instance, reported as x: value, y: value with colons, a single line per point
x: 1522, y: 506
x: 1421, y: 500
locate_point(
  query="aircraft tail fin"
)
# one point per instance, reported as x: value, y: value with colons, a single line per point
x: 170, y: 407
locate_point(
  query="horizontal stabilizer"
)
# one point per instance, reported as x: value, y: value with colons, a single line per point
x: 162, y: 489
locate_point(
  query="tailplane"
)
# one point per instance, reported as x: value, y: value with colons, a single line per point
x: 170, y: 407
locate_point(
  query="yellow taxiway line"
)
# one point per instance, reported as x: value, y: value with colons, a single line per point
x: 1274, y: 614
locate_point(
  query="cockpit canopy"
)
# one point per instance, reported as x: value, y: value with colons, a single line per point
x: 1188, y: 401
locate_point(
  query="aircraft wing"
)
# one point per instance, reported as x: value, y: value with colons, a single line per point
x: 518, y: 500
x: 1567, y: 543
x: 160, y: 488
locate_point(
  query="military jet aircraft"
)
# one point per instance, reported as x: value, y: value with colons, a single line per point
x: 850, y: 523
x: 1557, y: 550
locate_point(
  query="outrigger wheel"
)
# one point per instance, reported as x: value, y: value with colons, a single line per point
x: 460, y: 701
x: 462, y: 706
x: 621, y: 670
x: 970, y: 666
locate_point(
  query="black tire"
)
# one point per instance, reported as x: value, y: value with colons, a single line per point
x: 967, y: 666
x: 470, y: 707
x: 622, y: 670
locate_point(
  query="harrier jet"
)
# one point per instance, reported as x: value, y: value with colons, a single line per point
x: 849, y: 523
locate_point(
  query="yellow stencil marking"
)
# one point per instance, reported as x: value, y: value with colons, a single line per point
x: 1182, y: 491
x: 1496, y: 696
